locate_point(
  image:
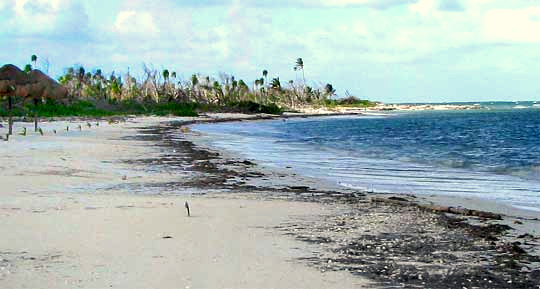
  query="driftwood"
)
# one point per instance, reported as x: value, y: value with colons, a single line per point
x: 441, y: 209
x: 187, y: 208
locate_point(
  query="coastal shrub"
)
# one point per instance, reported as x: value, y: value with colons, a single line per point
x: 17, y: 111
x: 177, y: 109
x: 351, y: 101
x: 51, y: 108
x: 271, y: 109
x: 127, y: 107
x: 253, y: 107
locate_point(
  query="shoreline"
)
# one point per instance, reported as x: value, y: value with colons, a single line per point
x: 473, y: 203
x: 239, y: 117
x: 305, y: 193
x: 457, y: 201
x: 160, y: 162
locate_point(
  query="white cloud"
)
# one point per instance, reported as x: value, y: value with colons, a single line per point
x: 513, y: 25
x: 417, y: 36
x: 43, y: 18
x: 3, y: 4
x: 378, y: 4
x: 423, y: 7
x: 437, y: 7
x: 35, y: 16
x: 343, y: 2
x: 135, y: 23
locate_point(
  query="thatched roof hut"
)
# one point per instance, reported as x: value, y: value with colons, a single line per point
x: 42, y: 86
x: 35, y: 84
x: 11, y: 78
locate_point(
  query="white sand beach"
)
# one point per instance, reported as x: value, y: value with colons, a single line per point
x: 94, y: 207
x: 60, y: 231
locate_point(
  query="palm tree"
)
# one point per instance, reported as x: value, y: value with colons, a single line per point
x: 173, y: 74
x: 242, y: 84
x: 276, y: 84
x: 81, y: 73
x: 166, y: 75
x: 265, y: 75
x: 194, y: 80
x: 242, y: 87
x: 219, y: 92
x: 34, y: 59
x: 300, y: 66
x: 329, y: 90
x: 257, y: 83
x: 261, y: 89
x: 27, y: 68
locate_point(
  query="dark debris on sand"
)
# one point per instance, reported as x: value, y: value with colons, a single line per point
x: 408, y: 247
x: 394, y: 245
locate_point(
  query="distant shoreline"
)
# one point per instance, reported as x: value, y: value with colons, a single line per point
x: 304, y: 111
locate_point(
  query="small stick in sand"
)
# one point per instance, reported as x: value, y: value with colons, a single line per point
x: 187, y: 208
x: 67, y: 128
x: 89, y: 125
x: 80, y: 127
x: 54, y: 131
x: 40, y: 131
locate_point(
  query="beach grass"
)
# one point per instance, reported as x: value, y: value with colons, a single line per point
x: 83, y: 108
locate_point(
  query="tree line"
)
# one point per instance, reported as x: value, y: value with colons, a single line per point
x: 161, y: 92
x: 165, y: 86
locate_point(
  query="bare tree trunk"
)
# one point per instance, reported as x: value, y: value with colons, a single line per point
x: 10, y: 115
x: 35, y: 115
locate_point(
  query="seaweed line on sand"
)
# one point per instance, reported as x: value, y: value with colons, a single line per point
x: 395, y: 243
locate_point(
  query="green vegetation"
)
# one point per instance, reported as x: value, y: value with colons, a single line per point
x: 162, y: 93
x: 253, y: 107
x: 52, y: 108
x: 299, y: 65
x: 350, y: 101
x: 33, y: 59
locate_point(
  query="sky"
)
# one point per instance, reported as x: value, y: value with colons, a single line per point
x: 385, y: 50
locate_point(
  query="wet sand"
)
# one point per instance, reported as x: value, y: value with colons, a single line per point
x: 104, y: 206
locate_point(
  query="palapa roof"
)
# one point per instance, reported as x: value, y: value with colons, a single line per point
x: 34, y: 84
x: 10, y: 78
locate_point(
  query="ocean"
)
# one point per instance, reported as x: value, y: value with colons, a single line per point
x: 492, y: 153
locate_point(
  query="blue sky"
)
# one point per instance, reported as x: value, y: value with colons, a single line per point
x: 388, y: 50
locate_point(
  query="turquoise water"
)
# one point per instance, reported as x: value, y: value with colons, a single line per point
x: 490, y: 153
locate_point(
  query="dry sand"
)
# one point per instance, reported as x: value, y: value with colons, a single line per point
x: 67, y: 222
